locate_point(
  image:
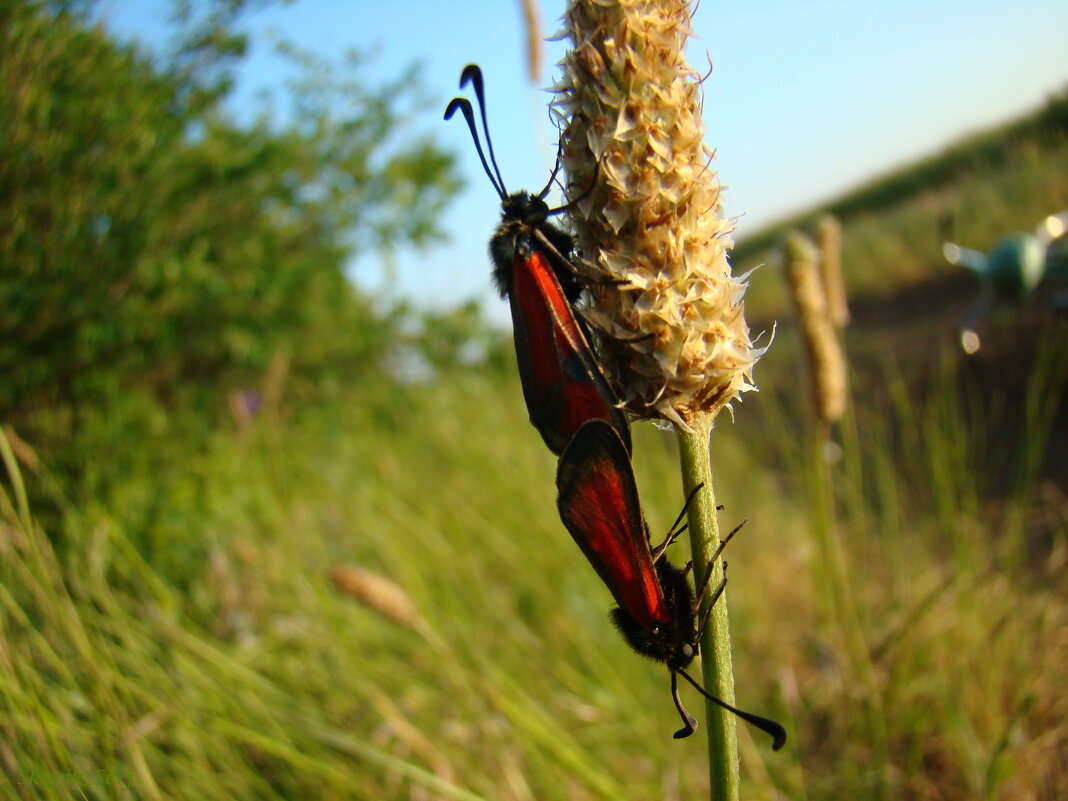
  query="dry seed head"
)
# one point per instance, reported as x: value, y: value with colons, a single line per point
x: 651, y: 221
x: 829, y: 238
x: 825, y: 360
x: 376, y: 593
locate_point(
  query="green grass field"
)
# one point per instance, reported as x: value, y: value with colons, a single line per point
x: 243, y: 673
x: 900, y: 610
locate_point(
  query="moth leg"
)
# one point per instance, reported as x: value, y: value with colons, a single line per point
x: 675, y: 531
x: 556, y: 255
x: 658, y: 551
x: 700, y: 593
x: 711, y: 604
x: 586, y: 192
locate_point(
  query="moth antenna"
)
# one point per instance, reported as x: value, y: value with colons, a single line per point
x: 473, y: 75
x: 770, y: 727
x: 464, y: 105
x: 688, y: 720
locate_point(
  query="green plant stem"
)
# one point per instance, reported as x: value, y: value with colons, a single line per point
x: 844, y: 605
x: 716, y: 665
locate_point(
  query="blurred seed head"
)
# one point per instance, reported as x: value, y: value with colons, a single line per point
x: 829, y: 239
x: 535, y: 44
x: 376, y: 593
x: 825, y: 359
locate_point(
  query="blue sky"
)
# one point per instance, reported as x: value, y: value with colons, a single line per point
x: 805, y: 99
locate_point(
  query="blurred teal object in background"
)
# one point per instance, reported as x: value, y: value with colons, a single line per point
x: 1018, y: 262
x: 1013, y: 269
x: 1015, y: 265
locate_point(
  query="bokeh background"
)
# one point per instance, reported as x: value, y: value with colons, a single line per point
x: 803, y: 103
x: 273, y: 523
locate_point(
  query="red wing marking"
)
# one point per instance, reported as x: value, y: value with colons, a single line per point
x: 598, y: 502
x: 562, y: 382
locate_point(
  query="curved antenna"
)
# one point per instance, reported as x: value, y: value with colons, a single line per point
x: 770, y: 727
x: 464, y: 105
x: 689, y: 722
x: 473, y: 75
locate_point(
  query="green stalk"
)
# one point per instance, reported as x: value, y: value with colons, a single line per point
x: 834, y: 576
x: 716, y: 665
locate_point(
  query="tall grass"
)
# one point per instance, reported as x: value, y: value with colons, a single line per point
x: 960, y: 609
x: 250, y: 676
x: 244, y: 673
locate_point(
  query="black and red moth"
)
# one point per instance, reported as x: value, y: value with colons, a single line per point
x: 563, y: 383
x: 657, y: 609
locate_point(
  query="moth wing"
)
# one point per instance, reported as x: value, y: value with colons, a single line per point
x: 599, y: 505
x: 563, y: 384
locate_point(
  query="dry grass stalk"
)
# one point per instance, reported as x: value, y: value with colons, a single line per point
x: 23, y: 451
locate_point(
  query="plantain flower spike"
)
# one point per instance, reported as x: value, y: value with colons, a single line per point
x: 829, y: 238
x: 647, y: 212
x: 826, y: 362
